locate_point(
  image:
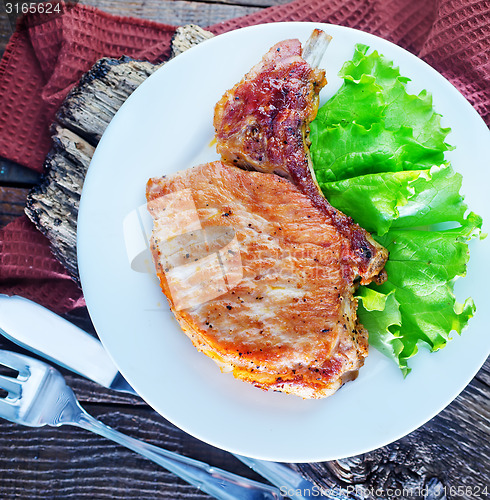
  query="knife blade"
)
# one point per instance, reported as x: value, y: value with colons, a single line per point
x: 41, y: 331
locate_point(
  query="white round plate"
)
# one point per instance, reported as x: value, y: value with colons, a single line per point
x: 166, y: 126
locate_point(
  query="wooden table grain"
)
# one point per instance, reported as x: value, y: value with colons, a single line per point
x: 448, y: 457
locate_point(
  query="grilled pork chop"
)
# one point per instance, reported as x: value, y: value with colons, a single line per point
x: 259, y: 269
x: 262, y: 124
x: 258, y: 277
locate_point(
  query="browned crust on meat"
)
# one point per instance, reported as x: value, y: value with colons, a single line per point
x: 290, y: 324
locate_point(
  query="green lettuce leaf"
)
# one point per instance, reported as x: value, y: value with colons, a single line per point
x: 344, y: 151
x: 436, y: 198
x: 379, y: 156
x: 400, y: 108
x: 387, y: 200
x: 373, y: 125
x: 380, y: 313
x: 421, y: 271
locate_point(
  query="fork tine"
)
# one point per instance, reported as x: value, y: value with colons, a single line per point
x: 15, y: 361
x: 11, y: 386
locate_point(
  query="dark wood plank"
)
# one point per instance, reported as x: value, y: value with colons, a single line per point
x: 12, y: 203
x: 254, y: 3
x: 484, y: 374
x: 178, y: 12
x: 71, y: 463
x: 5, y: 29
x: 13, y: 174
x: 440, y: 454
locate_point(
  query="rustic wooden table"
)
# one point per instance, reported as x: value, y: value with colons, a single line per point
x: 449, y: 457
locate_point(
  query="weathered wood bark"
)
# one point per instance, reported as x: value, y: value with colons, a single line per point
x: 188, y: 36
x: 91, y: 105
x: 53, y: 204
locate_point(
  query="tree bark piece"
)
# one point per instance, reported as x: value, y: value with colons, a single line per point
x: 53, y: 204
x: 188, y: 36
x: 92, y: 104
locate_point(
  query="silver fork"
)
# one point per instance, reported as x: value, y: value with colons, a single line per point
x: 39, y: 396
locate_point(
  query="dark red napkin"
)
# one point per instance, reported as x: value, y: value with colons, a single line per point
x: 46, y: 57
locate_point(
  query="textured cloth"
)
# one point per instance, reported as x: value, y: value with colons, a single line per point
x: 29, y: 269
x: 45, y: 59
